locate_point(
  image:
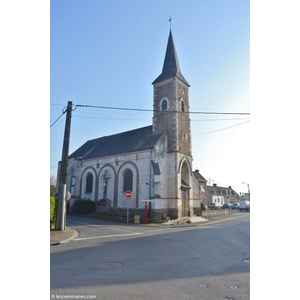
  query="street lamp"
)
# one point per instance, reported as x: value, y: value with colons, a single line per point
x: 248, y: 188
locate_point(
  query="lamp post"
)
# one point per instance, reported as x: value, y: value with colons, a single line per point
x: 248, y: 188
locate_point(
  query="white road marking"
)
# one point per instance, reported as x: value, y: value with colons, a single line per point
x: 224, y: 226
x: 222, y: 220
x: 106, y: 236
x: 104, y: 226
x: 149, y: 231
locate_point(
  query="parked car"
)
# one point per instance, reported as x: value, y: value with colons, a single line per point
x: 235, y: 206
x: 227, y: 206
x: 214, y: 205
x: 244, y: 205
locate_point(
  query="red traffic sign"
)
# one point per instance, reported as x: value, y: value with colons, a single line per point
x: 128, y: 194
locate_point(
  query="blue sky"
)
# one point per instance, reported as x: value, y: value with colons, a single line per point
x: 109, y: 52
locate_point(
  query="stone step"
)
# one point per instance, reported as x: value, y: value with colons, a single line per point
x: 184, y: 220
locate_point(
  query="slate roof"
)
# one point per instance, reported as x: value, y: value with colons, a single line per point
x: 171, y: 64
x: 221, y: 191
x: 125, y: 142
x: 199, y: 177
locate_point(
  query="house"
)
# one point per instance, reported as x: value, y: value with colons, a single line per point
x: 221, y: 195
x: 201, y: 183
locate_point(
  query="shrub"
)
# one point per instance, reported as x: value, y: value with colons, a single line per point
x: 52, y: 190
x: 82, y: 206
x: 53, y: 209
x: 203, y: 206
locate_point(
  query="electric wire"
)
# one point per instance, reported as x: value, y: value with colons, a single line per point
x: 151, y: 110
x: 221, y: 129
x: 63, y: 112
x: 125, y: 119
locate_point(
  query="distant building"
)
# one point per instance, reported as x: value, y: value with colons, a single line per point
x: 246, y: 196
x: 201, y: 183
x: 221, y: 195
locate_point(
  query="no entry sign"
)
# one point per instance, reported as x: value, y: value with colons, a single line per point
x: 128, y: 194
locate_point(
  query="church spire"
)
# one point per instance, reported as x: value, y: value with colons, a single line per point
x: 171, y: 64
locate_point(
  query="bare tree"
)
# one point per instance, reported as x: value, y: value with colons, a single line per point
x: 52, y: 180
x: 52, y: 185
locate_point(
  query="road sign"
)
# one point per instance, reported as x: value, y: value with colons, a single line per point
x: 128, y: 194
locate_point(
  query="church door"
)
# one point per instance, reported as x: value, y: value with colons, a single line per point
x: 185, y: 199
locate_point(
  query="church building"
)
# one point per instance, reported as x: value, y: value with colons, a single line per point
x: 153, y: 162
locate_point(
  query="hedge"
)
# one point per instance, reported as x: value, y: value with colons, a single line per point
x: 53, y: 209
x: 82, y: 206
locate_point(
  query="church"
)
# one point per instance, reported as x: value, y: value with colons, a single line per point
x: 153, y: 162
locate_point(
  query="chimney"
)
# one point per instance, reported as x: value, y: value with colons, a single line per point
x: 229, y: 187
x: 214, y: 184
x: 197, y: 171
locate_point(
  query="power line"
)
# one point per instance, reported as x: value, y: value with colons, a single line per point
x: 221, y: 129
x: 151, y: 110
x: 235, y: 119
x: 56, y: 104
x: 121, y: 119
x: 64, y: 111
x: 124, y: 119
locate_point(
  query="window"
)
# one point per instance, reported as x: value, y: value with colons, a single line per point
x: 164, y: 105
x: 128, y: 178
x: 182, y: 106
x: 89, y: 183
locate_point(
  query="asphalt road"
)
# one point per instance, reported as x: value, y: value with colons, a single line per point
x: 109, y: 261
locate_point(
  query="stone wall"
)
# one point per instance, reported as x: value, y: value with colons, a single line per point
x: 216, y: 212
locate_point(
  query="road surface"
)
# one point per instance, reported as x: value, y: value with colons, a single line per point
x: 113, y: 261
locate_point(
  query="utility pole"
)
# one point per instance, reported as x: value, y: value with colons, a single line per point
x: 62, y: 190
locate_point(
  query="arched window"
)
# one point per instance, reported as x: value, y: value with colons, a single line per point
x: 164, y: 105
x: 128, y: 179
x: 182, y: 106
x: 89, y: 183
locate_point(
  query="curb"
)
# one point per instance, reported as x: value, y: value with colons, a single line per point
x: 62, y: 237
x: 73, y: 237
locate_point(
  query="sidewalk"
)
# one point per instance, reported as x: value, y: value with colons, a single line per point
x: 59, y: 237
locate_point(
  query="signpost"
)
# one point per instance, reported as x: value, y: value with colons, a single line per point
x: 128, y: 195
x: 146, y: 211
x: 146, y: 208
x: 183, y: 196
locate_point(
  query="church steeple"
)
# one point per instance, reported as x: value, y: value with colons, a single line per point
x: 171, y: 103
x: 171, y: 66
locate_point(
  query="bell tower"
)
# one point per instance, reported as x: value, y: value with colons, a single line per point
x: 171, y: 103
